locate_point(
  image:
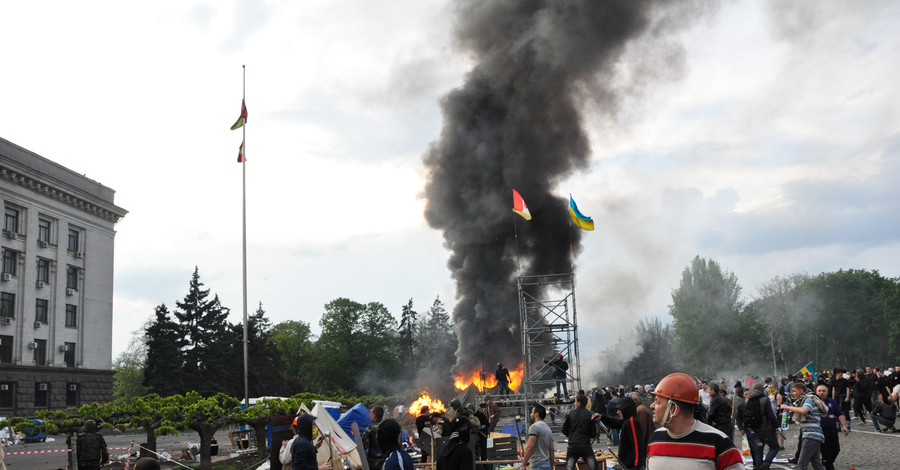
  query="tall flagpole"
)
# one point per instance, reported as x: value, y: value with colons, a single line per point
x: 244, y: 244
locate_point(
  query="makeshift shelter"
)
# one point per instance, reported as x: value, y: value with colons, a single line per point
x: 359, y: 414
x: 341, y: 444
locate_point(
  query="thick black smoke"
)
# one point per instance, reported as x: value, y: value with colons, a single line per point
x: 516, y: 123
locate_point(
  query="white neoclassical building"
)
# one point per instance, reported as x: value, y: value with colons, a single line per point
x: 56, y: 285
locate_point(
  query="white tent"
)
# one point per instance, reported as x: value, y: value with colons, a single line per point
x: 342, y: 445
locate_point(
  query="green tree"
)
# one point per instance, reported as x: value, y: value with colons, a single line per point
x: 655, y: 359
x: 437, y: 340
x: 296, y: 346
x: 128, y: 381
x: 705, y: 308
x: 358, y: 340
x: 205, y: 415
x: 264, y: 361
x: 406, y: 341
x: 203, y: 324
x: 164, y: 371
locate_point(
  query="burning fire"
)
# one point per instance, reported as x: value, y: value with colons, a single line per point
x: 464, y: 379
x: 425, y: 400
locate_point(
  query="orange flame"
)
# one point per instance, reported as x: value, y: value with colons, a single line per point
x: 425, y: 400
x: 464, y: 379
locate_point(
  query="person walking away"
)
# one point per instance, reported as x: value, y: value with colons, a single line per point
x: 374, y: 453
x: 720, y: 412
x: 612, y: 408
x: 831, y: 447
x: 682, y: 442
x: 395, y: 458
x: 457, y: 455
x: 760, y: 424
x: 539, y: 449
x: 579, y: 428
x: 632, y: 444
x: 808, y: 413
x: 862, y: 403
x: 91, y: 447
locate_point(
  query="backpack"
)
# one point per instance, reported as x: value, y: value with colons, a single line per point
x: 753, y: 413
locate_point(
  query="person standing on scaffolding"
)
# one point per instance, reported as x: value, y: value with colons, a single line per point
x: 502, y: 375
x: 560, y: 366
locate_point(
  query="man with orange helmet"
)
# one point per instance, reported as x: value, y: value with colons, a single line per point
x: 681, y: 442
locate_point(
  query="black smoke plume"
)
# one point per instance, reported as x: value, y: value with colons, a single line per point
x: 517, y: 123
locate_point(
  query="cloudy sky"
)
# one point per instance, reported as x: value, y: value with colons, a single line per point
x: 772, y: 149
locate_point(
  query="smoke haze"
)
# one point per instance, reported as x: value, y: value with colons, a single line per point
x: 517, y: 123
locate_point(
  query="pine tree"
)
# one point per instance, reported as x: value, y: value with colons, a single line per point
x: 203, y: 323
x: 407, y: 337
x: 164, y: 372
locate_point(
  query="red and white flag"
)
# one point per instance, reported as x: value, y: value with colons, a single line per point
x: 519, y: 206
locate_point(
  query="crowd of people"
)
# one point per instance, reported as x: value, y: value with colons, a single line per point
x: 682, y: 422
x: 646, y: 420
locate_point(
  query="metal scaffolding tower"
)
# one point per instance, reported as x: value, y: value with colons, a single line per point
x: 549, y: 327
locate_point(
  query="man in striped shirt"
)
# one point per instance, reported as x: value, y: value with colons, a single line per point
x: 809, y: 415
x: 681, y: 442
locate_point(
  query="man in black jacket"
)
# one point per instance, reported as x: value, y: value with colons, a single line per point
x: 579, y: 428
x: 720, y: 412
x: 91, y: 448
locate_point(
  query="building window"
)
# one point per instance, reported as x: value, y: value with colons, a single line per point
x: 74, y: 235
x: 9, y: 261
x: 72, y: 278
x: 11, y: 220
x: 72, y: 394
x: 69, y: 355
x: 7, y: 305
x: 40, y: 310
x: 43, y: 270
x: 40, y: 352
x: 6, y: 394
x: 6, y: 346
x: 44, y: 230
x: 41, y: 394
x: 71, y: 315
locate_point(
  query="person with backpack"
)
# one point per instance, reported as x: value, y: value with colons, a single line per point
x: 374, y: 453
x: 758, y: 422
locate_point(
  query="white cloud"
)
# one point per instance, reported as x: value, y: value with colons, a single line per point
x: 775, y: 152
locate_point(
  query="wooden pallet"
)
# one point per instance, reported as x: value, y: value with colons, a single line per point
x: 502, y: 448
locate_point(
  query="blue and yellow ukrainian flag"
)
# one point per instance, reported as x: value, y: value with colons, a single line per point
x: 808, y: 369
x: 581, y: 220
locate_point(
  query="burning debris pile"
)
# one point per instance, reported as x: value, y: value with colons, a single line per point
x: 517, y: 123
x: 485, y: 381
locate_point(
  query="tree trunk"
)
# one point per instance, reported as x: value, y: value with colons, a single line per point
x: 259, y: 430
x: 206, y: 433
x: 151, y: 438
x: 72, y: 462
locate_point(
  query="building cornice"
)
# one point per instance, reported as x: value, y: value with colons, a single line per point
x: 109, y: 212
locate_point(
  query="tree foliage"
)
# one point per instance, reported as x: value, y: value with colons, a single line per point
x: 705, y: 309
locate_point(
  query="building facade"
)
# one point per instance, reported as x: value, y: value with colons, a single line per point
x: 56, y: 285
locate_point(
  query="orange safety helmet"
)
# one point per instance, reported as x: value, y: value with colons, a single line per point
x: 678, y: 387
